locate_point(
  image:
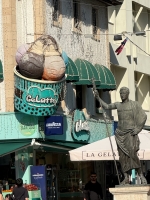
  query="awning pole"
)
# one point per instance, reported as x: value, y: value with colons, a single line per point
x: 104, y: 116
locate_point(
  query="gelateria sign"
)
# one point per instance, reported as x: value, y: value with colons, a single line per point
x: 105, y: 155
x: 81, y: 126
x: 38, y: 97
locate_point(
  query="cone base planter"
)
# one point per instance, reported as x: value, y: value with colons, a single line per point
x: 36, y: 97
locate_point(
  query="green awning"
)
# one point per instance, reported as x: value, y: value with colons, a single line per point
x: 55, y: 146
x: 71, y: 71
x: 72, y: 145
x: 87, y: 72
x: 10, y: 146
x: 106, y: 77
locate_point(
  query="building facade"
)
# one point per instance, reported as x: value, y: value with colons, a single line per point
x: 130, y: 67
x: 81, y: 31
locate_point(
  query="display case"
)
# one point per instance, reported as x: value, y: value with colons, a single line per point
x: 73, y: 180
x: 52, y: 189
x: 69, y: 180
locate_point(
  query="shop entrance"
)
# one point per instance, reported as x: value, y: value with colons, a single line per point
x: 7, y: 172
x: 68, y: 177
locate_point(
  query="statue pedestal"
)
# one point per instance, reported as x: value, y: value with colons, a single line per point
x: 133, y: 192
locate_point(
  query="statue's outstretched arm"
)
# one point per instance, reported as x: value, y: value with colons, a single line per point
x: 104, y: 105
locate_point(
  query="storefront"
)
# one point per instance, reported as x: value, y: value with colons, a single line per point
x: 62, y: 179
x: 38, y: 139
x: 7, y: 171
x: 67, y: 177
x: 27, y: 144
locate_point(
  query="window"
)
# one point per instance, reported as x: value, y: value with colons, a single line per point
x: 76, y: 17
x: 136, y: 86
x: 97, y: 103
x: 57, y: 17
x: 79, y: 97
x: 95, y: 27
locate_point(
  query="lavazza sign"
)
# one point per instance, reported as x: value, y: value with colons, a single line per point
x: 53, y: 124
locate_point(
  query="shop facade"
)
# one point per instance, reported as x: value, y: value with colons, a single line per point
x: 27, y: 145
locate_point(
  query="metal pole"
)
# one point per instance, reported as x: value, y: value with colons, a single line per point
x: 94, y: 89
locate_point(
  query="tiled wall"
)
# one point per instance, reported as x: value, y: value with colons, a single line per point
x: 10, y: 45
x: 17, y: 28
x: 39, y: 17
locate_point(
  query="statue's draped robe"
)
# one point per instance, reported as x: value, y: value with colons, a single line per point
x: 127, y: 144
x: 131, y: 118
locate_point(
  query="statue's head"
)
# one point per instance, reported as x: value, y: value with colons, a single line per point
x: 124, y: 93
x: 124, y: 89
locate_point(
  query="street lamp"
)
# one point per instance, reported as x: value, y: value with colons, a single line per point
x: 119, y: 36
x: 142, y: 33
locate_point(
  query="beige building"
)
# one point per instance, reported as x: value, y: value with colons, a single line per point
x: 131, y: 66
x: 81, y: 30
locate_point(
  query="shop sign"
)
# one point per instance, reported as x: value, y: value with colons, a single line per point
x: 54, y: 125
x: 81, y: 129
x: 38, y: 178
x: 81, y: 125
x: 105, y: 155
x: 99, y: 155
x: 27, y: 125
x: 38, y: 97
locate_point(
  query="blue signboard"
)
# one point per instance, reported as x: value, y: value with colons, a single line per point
x: 54, y: 125
x: 38, y: 178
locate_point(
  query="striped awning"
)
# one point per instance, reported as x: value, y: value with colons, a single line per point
x: 71, y: 71
x: 106, y: 77
x: 87, y: 72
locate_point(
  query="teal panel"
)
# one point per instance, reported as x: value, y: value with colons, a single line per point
x: 36, y: 97
x: 35, y: 195
x: 98, y: 130
x: 11, y: 146
x: 18, y: 126
x: 23, y: 126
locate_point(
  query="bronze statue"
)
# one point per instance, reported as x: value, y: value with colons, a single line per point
x: 131, y: 119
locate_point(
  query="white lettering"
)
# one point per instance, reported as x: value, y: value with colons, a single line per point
x: 79, y: 126
x: 53, y: 124
x: 38, y: 175
x: 30, y: 99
